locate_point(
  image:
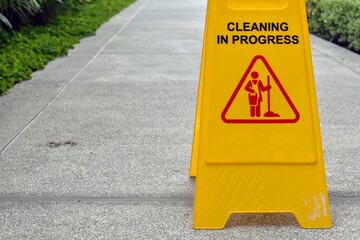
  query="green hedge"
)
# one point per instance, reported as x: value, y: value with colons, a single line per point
x: 336, y: 20
x: 30, y: 48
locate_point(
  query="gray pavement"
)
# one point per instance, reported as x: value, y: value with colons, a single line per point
x: 121, y: 107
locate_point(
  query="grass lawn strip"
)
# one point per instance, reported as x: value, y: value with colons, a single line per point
x: 30, y: 48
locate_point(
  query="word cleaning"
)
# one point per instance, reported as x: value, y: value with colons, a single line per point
x: 271, y: 27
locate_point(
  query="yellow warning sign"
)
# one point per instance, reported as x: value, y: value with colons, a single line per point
x: 257, y: 144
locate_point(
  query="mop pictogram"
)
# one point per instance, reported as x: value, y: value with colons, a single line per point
x: 270, y: 113
x: 248, y: 105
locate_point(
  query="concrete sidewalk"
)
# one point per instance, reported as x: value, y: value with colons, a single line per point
x: 98, y: 145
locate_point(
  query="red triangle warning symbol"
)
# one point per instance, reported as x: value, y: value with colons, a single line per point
x: 260, y: 98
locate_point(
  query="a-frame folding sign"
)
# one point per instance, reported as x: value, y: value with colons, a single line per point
x: 257, y: 144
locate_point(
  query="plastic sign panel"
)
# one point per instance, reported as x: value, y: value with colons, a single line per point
x: 257, y: 144
x: 195, y: 149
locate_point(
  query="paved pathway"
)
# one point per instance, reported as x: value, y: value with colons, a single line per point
x: 98, y: 145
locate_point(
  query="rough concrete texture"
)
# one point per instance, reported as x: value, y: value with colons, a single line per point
x: 159, y: 220
x: 98, y: 144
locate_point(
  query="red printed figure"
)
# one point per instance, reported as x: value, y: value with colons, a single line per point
x: 255, y: 87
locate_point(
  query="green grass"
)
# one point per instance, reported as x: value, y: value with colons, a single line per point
x: 30, y: 48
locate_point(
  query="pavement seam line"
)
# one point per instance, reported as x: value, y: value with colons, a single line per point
x: 77, y: 74
x: 96, y: 199
x: 329, y: 56
x: 126, y: 199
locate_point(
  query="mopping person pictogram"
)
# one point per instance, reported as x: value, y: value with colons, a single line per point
x: 255, y: 87
x: 249, y: 95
